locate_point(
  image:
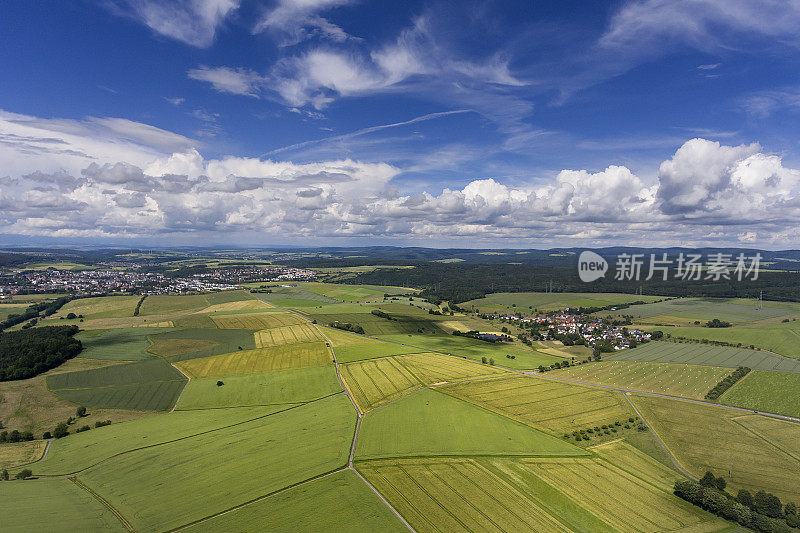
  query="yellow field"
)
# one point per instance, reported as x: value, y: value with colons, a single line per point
x: 551, y: 405
x: 376, y: 381
x: 452, y: 325
x: 705, y: 437
x: 257, y: 320
x: 624, y: 456
x: 20, y: 453
x: 456, y: 495
x: 258, y: 361
x: 783, y: 434
x: 690, y: 381
x: 435, y: 368
x: 287, y: 335
x: 241, y: 305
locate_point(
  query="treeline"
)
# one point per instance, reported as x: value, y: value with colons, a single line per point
x: 139, y: 305
x: 354, y: 328
x: 383, y: 314
x: 35, y: 311
x: 460, y: 282
x: 474, y: 334
x: 729, y: 381
x: 27, y: 353
x: 762, y: 512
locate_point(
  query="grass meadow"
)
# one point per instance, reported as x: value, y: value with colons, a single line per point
x: 768, y: 392
x: 259, y: 360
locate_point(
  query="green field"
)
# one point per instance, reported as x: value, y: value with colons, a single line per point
x: 164, y: 304
x: 100, y: 307
x: 53, y: 505
x: 370, y: 349
x: 280, y: 387
x: 525, y: 358
x: 674, y: 379
x: 553, y: 301
x: 83, y: 450
x: 256, y: 321
x: 170, y: 485
x: 686, y: 310
x: 430, y: 423
x: 180, y: 345
x: 704, y: 354
x: 259, y: 360
x: 768, y: 392
x: 705, y: 437
x: 121, y: 344
x: 547, y: 404
x: 776, y: 336
x: 338, y: 502
x: 12, y: 309
x: 287, y: 335
x: 152, y: 384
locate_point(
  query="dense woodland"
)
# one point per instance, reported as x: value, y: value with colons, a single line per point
x: 27, y: 353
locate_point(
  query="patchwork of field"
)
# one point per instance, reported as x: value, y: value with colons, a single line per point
x: 166, y: 486
x: 121, y: 344
x: 258, y: 361
x: 338, y: 502
x: 83, y: 450
x: 257, y: 321
x: 686, y: 310
x: 768, y: 392
x: 287, y: 335
x: 280, y: 387
x: 525, y: 358
x: 705, y: 437
x: 53, y: 505
x: 377, y: 381
x: 553, y: 301
x: 548, y: 404
x: 776, y: 336
x: 704, y: 354
x: 20, y: 453
x: 429, y: 423
x: 675, y: 379
x: 183, y: 344
x: 152, y: 384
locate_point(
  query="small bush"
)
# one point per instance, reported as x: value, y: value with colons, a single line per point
x: 24, y: 474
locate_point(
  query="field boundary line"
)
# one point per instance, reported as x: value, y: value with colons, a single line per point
x: 762, y: 437
x: 661, y: 442
x: 188, y: 380
x: 127, y: 525
x: 383, y: 499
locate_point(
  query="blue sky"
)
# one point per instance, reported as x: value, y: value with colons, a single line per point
x: 527, y: 124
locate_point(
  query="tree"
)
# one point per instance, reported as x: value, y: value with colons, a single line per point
x: 768, y: 504
x: 4, y: 475
x: 24, y: 474
x: 60, y: 430
x: 790, y: 509
x: 708, y: 480
x: 71, y: 316
x: 745, y: 498
x: 483, y: 360
x: 80, y: 411
x: 220, y: 383
x: 720, y: 483
x: 46, y: 435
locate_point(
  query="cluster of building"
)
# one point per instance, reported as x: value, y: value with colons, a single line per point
x: 97, y: 282
x: 592, y: 329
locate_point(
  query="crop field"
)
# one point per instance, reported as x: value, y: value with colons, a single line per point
x: 559, y: 350
x: 280, y: 387
x: 286, y: 335
x: 166, y: 486
x: 146, y: 385
x: 681, y: 311
x: 180, y: 345
x: 163, y: 304
x: 780, y: 433
x: 675, y: 379
x: 375, y: 325
x: 83, y: 450
x: 704, y: 354
x: 525, y: 358
x: 20, y: 453
x: 239, y: 306
x: 456, y: 495
x: 338, y: 502
x: 428, y: 423
x: 780, y: 337
x: 437, y: 368
x: 707, y: 437
x: 553, y: 301
x: 101, y: 307
x: 371, y: 349
x: 257, y: 321
x: 768, y: 392
x: 12, y: 309
x: 259, y: 360
x: 547, y: 404
x: 122, y: 344
x: 339, y: 337
x: 53, y: 505
x: 377, y: 381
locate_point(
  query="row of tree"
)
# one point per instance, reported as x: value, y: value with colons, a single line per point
x: 35, y: 311
x: 354, y: 328
x: 762, y: 512
x: 728, y: 382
